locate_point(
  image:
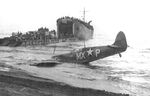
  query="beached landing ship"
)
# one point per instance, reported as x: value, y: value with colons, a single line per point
x: 89, y: 54
x: 69, y: 28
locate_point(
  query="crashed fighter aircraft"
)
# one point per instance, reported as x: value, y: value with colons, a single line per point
x: 89, y: 54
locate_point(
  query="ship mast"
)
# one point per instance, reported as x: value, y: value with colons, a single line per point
x: 84, y: 11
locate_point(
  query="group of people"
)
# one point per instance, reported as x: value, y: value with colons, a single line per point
x: 41, y: 36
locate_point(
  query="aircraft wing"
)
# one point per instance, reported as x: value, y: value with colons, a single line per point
x: 113, y: 46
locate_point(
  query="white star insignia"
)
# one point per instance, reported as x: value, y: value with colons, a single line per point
x: 89, y: 52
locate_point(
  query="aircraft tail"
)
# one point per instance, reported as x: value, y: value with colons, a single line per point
x: 120, y: 41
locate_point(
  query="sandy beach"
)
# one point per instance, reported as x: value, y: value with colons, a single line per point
x: 16, y: 82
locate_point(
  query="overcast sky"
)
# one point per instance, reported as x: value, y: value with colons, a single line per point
x: 108, y: 16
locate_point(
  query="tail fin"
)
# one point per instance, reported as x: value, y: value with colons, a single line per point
x: 120, y: 41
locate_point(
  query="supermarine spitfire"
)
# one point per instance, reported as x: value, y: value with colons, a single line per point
x: 89, y: 54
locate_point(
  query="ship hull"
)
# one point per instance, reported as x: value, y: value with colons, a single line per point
x: 74, y: 28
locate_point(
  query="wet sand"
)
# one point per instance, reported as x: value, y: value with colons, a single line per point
x: 16, y: 82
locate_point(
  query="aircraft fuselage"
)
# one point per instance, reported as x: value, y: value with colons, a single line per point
x: 89, y: 54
